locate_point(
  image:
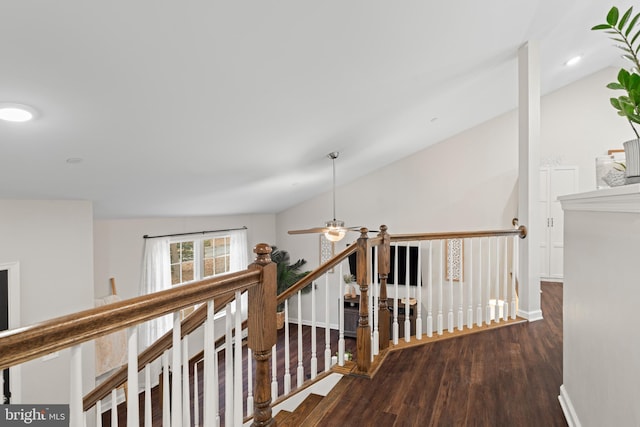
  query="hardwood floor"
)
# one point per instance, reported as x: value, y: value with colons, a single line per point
x: 509, y: 376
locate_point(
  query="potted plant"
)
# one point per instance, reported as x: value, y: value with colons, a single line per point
x: 621, y: 29
x: 287, y: 275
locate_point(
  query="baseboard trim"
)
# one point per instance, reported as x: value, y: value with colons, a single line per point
x: 531, y: 316
x: 567, y: 408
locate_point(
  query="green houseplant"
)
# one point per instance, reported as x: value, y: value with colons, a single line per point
x: 622, y: 29
x: 287, y: 275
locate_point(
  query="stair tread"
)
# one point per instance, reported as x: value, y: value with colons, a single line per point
x: 329, y: 402
x: 302, y: 411
x: 282, y: 416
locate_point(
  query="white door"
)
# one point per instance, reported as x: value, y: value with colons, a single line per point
x: 554, y: 182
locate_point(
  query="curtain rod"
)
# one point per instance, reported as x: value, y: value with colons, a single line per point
x: 146, y: 236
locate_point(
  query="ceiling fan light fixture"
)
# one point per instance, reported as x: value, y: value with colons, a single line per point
x: 335, y: 230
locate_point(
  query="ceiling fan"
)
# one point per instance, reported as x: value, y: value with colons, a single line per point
x: 333, y: 230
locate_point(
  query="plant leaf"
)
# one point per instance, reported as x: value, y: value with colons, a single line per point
x: 615, y: 103
x: 625, y: 17
x: 602, y: 27
x: 632, y: 24
x: 612, y: 16
x: 615, y: 86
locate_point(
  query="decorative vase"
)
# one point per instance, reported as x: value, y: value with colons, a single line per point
x: 632, y: 159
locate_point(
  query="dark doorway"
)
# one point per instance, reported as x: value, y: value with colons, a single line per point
x: 4, y: 324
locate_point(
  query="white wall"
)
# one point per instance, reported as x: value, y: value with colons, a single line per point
x: 119, y: 244
x: 470, y: 180
x: 53, y: 242
x: 601, y: 349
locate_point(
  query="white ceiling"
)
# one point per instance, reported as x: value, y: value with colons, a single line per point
x: 207, y: 108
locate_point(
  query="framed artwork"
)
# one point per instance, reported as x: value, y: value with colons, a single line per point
x: 454, y: 259
x: 327, y: 250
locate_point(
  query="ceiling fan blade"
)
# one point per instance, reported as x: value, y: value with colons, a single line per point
x: 309, y: 230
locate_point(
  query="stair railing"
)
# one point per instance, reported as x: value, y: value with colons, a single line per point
x: 461, y: 278
x: 259, y: 280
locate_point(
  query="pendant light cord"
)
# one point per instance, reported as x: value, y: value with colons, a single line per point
x: 333, y: 156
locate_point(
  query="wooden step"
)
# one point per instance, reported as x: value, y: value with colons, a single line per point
x: 330, y: 401
x: 302, y: 411
x: 282, y: 416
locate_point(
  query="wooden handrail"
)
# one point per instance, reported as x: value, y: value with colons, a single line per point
x: 520, y: 231
x: 317, y: 273
x: 151, y: 353
x: 30, y: 342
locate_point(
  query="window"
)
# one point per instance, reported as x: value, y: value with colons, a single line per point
x: 173, y: 261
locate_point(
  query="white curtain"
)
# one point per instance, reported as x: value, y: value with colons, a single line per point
x: 239, y: 253
x: 156, y: 276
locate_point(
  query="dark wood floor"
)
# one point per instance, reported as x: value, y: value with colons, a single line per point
x: 509, y: 376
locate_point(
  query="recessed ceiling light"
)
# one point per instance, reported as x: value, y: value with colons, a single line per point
x: 16, y: 112
x: 573, y: 61
x: 74, y: 160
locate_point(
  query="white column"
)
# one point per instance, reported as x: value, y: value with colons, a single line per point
x: 133, y: 414
x: 528, y: 179
x: 210, y: 380
x: 186, y: 389
x: 147, y: 396
x: 176, y: 374
x: 114, y: 408
x: 75, y: 398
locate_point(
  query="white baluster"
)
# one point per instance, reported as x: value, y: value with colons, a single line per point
x: 196, y: 396
x: 75, y: 393
x: 443, y: 264
x: 375, y: 339
x: 186, y: 399
x: 274, y: 372
x: 470, y: 287
x: 114, y: 408
x: 505, y: 278
x: 166, y: 391
x: 497, y: 282
x: 407, y: 306
x: 341, y: 320
x: 99, y: 413
x: 133, y: 414
x: 479, y: 309
x: 228, y: 367
x: 450, y: 312
x: 147, y: 396
x: 287, y: 355
x: 461, y: 287
x: 249, y: 382
x: 176, y: 375
x: 514, y: 270
x: 488, y: 317
x: 210, y: 379
x: 430, y: 292
x: 396, y: 295
x: 419, y: 295
x: 327, y: 326
x: 300, y: 370
x: 4, y: 398
x: 314, y: 349
x: 237, y: 359
x: 216, y: 378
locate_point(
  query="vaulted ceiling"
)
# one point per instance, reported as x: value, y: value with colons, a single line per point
x: 166, y: 108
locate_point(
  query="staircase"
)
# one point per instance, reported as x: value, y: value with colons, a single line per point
x: 313, y: 407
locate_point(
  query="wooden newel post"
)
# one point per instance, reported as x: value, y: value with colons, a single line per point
x: 262, y: 333
x: 363, y: 335
x: 384, y: 256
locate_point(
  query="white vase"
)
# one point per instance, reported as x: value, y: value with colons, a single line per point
x: 632, y: 157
